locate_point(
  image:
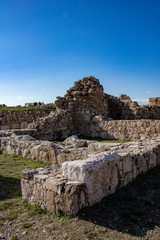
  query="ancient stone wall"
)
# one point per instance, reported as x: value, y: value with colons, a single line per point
x: 19, y: 119
x: 45, y: 151
x: 154, y: 101
x: 125, y: 98
x: 83, y: 104
x: 97, y: 126
x: 83, y: 183
x: 121, y: 129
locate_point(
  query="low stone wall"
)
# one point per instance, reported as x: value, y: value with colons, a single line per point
x: 96, y: 126
x: 120, y: 129
x: 45, y: 188
x: 28, y: 147
x: 82, y: 183
x: 19, y: 120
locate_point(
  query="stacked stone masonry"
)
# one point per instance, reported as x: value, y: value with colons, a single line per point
x: 154, y: 101
x: 19, y: 119
x: 29, y: 147
x: 122, y: 129
x: 83, y: 183
x: 85, y: 171
x: 85, y: 104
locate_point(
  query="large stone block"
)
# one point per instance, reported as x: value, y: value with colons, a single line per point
x: 98, y: 172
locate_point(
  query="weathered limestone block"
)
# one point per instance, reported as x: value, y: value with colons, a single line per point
x: 27, y: 185
x: 75, y: 142
x: 93, y: 172
x: 53, y: 192
x: 28, y: 174
x: 29, y: 147
x: 83, y: 183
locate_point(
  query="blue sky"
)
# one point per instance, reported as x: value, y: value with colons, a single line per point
x: 46, y: 45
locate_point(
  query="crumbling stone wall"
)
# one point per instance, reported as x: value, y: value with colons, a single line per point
x: 85, y: 102
x: 19, y: 119
x: 45, y: 151
x: 121, y: 129
x: 154, y: 101
x: 85, y: 182
x: 147, y: 112
x: 126, y: 99
x: 82, y: 102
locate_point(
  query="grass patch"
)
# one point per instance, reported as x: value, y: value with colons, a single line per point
x: 10, y: 209
x: 21, y: 109
x: 10, y: 169
x: 62, y: 215
x: 103, y: 140
x: 10, y: 191
x: 26, y: 225
x: 115, y: 141
x: 35, y: 208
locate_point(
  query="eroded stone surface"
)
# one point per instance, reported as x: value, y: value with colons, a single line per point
x: 87, y: 110
x: 26, y: 146
x: 82, y: 183
x: 20, y: 119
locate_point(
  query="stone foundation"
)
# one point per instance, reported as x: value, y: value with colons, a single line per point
x: 71, y: 149
x: 83, y: 183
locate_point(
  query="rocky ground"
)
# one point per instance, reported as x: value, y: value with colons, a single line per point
x: 131, y: 213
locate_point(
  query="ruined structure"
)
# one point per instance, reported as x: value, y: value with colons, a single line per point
x: 154, y: 102
x: 87, y: 110
x: 85, y: 171
x: 35, y: 104
x: 81, y: 183
x: 19, y: 119
x: 126, y: 99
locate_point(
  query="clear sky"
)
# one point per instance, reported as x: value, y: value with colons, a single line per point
x: 46, y: 45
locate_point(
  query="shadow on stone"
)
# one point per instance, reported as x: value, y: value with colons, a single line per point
x: 134, y: 209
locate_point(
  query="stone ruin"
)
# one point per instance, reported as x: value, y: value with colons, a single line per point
x: 87, y: 110
x: 79, y: 183
x: 85, y: 171
x: 154, y: 102
x: 20, y: 119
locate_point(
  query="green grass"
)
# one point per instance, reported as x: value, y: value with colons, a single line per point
x: 115, y: 141
x: 103, y: 140
x: 21, y: 109
x: 10, y: 194
x: 10, y: 169
x: 26, y: 225
x: 63, y: 215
